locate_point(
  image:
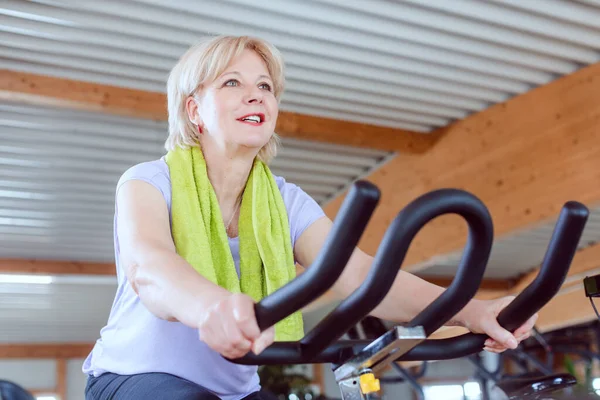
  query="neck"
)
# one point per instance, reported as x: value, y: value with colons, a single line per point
x: 228, y: 172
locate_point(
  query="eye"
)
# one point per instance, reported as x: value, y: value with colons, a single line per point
x: 265, y: 86
x: 231, y: 82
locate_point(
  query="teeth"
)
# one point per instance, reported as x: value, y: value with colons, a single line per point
x: 253, y: 118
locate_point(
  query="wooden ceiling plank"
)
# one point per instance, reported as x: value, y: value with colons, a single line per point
x: 45, y: 350
x: 55, y: 267
x: 67, y: 93
x: 523, y: 158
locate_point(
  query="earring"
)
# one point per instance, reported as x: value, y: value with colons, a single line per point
x: 199, y: 130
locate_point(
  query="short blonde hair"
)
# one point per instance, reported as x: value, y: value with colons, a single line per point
x: 203, y: 63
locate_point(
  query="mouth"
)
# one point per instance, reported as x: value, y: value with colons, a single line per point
x: 253, y: 119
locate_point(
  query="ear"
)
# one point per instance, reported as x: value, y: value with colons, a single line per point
x: 191, y: 106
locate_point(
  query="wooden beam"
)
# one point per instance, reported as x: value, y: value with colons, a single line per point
x: 42, y: 392
x: 569, y: 307
x: 45, y: 350
x: 45, y: 90
x: 58, y: 267
x: 327, y: 130
x: 486, y: 284
x: 585, y: 262
x: 61, y: 378
x: 523, y: 158
x: 55, y: 267
x: 319, y: 377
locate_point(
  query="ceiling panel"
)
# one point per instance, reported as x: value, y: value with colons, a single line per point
x: 408, y: 64
x: 517, y: 253
x: 60, y: 167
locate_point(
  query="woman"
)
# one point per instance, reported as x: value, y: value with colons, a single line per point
x: 189, y: 225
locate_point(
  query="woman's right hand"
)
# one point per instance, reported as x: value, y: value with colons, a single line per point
x: 229, y: 327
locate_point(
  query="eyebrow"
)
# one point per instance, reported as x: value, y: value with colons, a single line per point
x: 237, y: 73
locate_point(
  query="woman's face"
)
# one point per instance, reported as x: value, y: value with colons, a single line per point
x: 239, y: 108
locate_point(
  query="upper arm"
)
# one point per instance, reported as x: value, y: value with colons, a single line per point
x: 143, y: 224
x: 309, y: 245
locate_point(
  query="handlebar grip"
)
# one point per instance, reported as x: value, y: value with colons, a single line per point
x: 561, y: 250
x: 347, y: 229
x: 559, y: 255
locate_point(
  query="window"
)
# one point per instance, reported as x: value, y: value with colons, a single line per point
x: 466, y: 391
x: 46, y: 397
x: 596, y: 385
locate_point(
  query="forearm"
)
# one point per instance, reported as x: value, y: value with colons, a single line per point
x: 170, y: 288
x: 410, y: 295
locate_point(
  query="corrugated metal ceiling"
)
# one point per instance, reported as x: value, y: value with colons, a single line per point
x: 410, y: 64
x: 517, y: 253
x: 60, y: 167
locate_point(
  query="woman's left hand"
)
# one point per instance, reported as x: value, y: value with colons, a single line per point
x: 481, y: 317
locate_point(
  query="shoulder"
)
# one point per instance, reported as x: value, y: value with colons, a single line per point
x: 146, y: 171
x: 292, y: 194
x: 154, y: 172
x: 302, y: 209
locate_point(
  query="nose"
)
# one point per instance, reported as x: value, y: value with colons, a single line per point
x: 254, y: 96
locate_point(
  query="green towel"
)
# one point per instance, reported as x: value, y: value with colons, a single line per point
x: 266, y: 255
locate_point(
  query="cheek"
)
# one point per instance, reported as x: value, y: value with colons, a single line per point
x: 273, y: 111
x: 214, y: 112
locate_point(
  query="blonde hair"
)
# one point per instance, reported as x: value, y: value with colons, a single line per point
x: 203, y: 63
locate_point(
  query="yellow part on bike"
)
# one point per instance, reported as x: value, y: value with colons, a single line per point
x: 369, y: 384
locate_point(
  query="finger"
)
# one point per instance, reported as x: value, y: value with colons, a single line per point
x: 493, y: 350
x: 245, y: 317
x: 497, y: 348
x: 523, y: 337
x: 496, y: 345
x: 527, y: 326
x: 211, y: 332
x: 493, y: 343
x: 490, y: 343
x: 235, y: 341
x: 493, y: 329
x: 265, y: 340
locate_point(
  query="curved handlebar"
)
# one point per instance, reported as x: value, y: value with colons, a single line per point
x: 387, y: 262
x: 472, y: 265
x: 317, y: 346
x: 558, y: 258
x: 391, y: 254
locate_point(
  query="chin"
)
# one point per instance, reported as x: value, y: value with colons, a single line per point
x: 254, y: 141
x: 254, y: 145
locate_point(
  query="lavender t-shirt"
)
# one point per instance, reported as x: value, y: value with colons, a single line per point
x: 134, y: 341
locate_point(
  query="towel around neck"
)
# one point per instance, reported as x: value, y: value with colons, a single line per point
x: 198, y: 230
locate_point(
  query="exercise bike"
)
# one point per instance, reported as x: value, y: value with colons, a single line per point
x: 358, y: 363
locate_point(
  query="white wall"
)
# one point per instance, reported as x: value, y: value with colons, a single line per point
x: 41, y: 375
x: 31, y: 374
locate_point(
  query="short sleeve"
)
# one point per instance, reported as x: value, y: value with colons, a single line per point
x: 302, y: 209
x: 155, y: 173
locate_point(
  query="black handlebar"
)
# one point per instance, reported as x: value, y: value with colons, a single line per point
x: 472, y: 265
x: 554, y: 269
x: 320, y: 345
x: 391, y: 254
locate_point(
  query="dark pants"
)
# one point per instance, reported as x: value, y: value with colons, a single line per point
x: 155, y: 386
